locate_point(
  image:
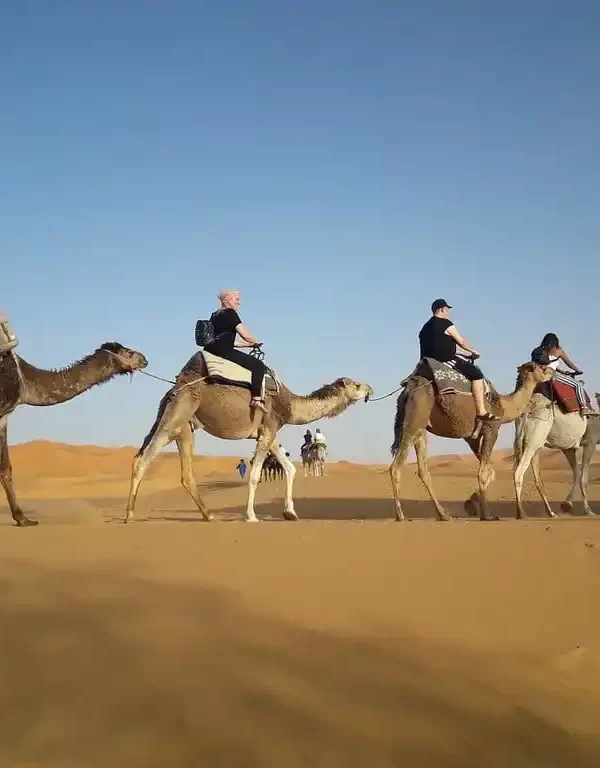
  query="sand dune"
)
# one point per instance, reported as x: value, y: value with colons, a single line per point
x: 342, y: 640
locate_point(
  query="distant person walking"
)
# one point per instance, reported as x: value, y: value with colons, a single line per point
x: 241, y: 468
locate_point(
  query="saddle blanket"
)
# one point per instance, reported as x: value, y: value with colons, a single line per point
x: 225, y: 372
x: 566, y: 397
x: 445, y: 378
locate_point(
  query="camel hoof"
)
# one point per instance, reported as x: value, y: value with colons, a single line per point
x: 252, y: 520
x: 489, y: 519
x: 129, y: 520
x: 566, y: 508
x: 25, y: 522
x: 290, y: 515
x: 588, y: 512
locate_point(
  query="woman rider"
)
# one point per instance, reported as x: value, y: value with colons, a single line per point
x: 227, y: 325
x: 550, y: 353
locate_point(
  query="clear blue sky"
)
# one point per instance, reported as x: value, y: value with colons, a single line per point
x: 343, y: 163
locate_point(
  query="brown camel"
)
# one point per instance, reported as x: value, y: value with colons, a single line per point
x: 420, y: 409
x: 223, y: 410
x: 23, y: 384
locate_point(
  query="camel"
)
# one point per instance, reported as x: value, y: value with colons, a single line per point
x: 316, y: 458
x: 23, y: 384
x: 306, y: 462
x: 220, y: 405
x: 448, y: 410
x: 543, y: 424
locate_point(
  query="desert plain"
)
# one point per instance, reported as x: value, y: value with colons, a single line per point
x: 344, y: 639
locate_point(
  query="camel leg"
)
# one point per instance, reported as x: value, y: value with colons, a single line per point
x: 185, y: 446
x: 589, y: 449
x: 290, y: 472
x: 485, y: 473
x: 519, y: 474
x: 570, y: 455
x: 396, y: 476
x: 176, y: 413
x: 472, y: 503
x: 535, y: 466
x: 263, y: 444
x: 6, y: 479
x: 420, y: 445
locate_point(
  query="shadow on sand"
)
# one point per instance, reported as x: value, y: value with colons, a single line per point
x: 126, y: 671
x: 351, y: 510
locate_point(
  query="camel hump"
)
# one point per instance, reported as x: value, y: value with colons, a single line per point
x: 8, y: 338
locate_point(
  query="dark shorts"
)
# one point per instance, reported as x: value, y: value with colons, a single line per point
x: 468, y: 370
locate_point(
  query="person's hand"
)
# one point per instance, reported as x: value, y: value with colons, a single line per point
x: 577, y: 373
x: 475, y: 355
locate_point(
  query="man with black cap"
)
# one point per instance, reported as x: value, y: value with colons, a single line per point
x: 439, y: 338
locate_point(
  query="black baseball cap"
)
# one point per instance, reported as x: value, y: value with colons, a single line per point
x: 439, y: 304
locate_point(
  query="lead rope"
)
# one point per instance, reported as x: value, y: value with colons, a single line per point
x: 384, y: 397
x: 158, y: 378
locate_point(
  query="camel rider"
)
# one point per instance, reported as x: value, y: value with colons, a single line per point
x: 438, y: 340
x: 319, y: 437
x: 227, y: 326
x: 550, y: 353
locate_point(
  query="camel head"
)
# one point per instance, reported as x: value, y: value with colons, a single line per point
x: 126, y: 360
x: 539, y: 373
x: 353, y: 391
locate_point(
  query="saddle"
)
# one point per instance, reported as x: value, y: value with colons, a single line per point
x: 221, y: 371
x: 445, y: 379
x: 562, y: 394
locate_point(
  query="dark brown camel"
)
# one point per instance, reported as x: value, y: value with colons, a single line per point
x: 24, y: 384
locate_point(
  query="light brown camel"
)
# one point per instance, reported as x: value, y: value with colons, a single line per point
x: 223, y: 410
x: 23, y: 384
x: 420, y: 410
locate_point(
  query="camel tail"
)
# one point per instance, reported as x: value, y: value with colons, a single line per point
x: 398, y: 421
x: 161, y: 409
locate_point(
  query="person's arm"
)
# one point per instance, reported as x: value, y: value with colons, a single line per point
x: 463, y: 343
x: 563, y: 356
x: 249, y: 339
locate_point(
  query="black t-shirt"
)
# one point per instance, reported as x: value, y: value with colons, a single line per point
x: 225, y: 321
x: 434, y: 340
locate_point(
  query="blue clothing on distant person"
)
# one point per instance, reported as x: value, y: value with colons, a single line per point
x: 241, y: 468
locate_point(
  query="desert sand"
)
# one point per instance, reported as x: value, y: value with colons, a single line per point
x: 345, y: 639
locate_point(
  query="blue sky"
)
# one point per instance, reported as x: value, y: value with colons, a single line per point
x: 342, y: 163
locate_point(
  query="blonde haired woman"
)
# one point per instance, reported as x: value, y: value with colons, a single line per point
x: 228, y: 326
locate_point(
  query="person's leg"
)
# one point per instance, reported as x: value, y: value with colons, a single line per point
x: 476, y: 377
x: 252, y: 364
x: 575, y: 384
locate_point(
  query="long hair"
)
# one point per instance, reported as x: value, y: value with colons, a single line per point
x: 550, y: 341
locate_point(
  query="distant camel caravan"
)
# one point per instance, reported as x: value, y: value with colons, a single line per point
x: 314, y: 456
x: 23, y: 384
x: 437, y: 399
x: 212, y: 394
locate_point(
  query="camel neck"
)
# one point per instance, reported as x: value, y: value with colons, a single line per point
x: 308, y: 408
x: 43, y: 387
x: 514, y: 404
